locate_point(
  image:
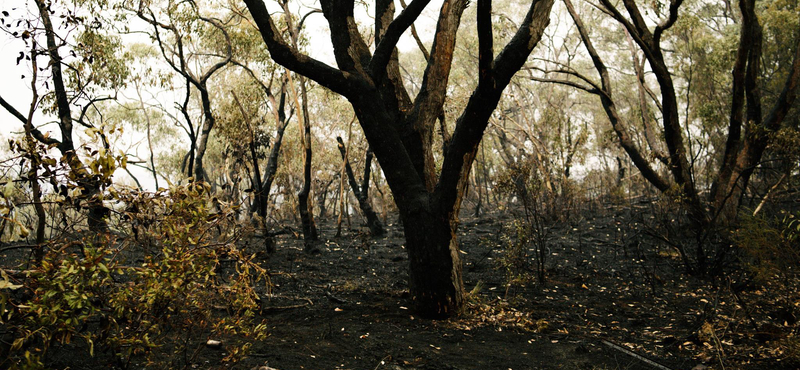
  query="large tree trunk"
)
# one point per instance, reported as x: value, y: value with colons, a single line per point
x: 401, y: 137
x: 435, y: 276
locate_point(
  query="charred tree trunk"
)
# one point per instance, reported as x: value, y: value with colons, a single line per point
x: 400, y: 130
x: 187, y: 166
x: 305, y: 207
x: 742, y: 154
x: 205, y: 132
x: 434, y: 262
x: 374, y: 223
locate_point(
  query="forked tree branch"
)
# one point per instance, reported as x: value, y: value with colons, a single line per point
x: 387, y: 43
x: 472, y: 123
x: 285, y: 55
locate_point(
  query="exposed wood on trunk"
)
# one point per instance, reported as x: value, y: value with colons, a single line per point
x: 430, y: 99
x: 402, y: 140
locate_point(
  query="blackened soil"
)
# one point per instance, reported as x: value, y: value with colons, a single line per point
x: 615, y: 297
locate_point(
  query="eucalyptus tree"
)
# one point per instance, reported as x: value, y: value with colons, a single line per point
x: 254, y: 101
x: 251, y: 130
x: 173, y: 29
x: 743, y: 148
x: 748, y: 132
x: 399, y: 128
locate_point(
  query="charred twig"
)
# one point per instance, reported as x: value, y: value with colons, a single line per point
x: 333, y: 297
x: 283, y: 308
x: 628, y: 352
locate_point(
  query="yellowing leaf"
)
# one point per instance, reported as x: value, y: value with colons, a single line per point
x: 5, y: 284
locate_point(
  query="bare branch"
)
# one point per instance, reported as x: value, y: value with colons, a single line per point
x: 669, y: 22
x: 293, y: 59
x: 35, y: 132
x: 10, y: 108
x: 387, y: 42
x: 591, y: 90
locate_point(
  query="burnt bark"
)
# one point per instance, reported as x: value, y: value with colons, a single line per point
x: 361, y: 192
x: 187, y: 166
x: 401, y: 138
x: 743, y: 153
x: 304, y: 206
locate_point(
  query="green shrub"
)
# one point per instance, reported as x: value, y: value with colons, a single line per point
x: 153, y: 305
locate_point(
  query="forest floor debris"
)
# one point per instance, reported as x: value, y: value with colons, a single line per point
x: 347, y: 307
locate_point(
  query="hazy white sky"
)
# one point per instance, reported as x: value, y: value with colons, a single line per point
x: 16, y: 90
x: 13, y: 88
